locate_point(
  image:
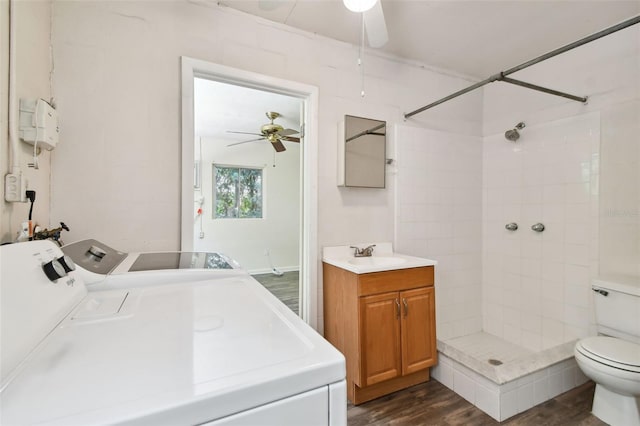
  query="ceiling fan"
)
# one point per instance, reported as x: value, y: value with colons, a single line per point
x: 272, y: 132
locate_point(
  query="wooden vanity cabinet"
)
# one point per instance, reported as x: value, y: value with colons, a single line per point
x: 384, y: 324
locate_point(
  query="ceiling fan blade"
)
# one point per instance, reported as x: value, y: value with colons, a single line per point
x: 290, y: 139
x: 375, y: 26
x: 244, y: 133
x: 287, y: 132
x: 252, y: 140
x: 278, y: 146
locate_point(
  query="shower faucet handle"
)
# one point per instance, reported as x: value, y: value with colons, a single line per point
x: 538, y: 227
x: 511, y: 226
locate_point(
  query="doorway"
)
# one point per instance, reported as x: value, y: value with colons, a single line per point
x: 280, y: 182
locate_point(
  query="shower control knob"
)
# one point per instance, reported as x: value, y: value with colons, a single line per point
x: 538, y: 227
x: 67, y: 263
x: 54, y: 270
x: 511, y: 226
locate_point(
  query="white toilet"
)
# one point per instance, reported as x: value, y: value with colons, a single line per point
x: 612, y: 359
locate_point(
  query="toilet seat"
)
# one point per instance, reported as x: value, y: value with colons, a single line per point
x: 612, y: 352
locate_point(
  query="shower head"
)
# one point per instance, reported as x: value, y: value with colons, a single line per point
x: 513, y: 134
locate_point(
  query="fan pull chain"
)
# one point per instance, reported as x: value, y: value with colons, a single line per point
x: 361, y: 58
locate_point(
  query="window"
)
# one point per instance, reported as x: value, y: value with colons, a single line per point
x: 237, y: 192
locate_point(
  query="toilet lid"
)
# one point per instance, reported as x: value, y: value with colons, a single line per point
x: 619, y: 352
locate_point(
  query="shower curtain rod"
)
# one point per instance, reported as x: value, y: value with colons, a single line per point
x: 502, y: 76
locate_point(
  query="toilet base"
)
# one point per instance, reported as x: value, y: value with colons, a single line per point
x: 616, y: 409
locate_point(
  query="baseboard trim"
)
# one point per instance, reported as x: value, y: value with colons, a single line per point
x: 279, y: 268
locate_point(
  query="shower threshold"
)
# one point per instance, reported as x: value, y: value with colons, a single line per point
x: 502, y: 378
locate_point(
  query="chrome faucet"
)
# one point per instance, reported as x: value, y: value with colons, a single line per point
x: 364, y: 252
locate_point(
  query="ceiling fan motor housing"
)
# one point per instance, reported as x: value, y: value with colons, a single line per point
x: 269, y: 129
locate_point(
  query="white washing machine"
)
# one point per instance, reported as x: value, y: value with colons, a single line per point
x: 221, y: 351
x: 103, y: 267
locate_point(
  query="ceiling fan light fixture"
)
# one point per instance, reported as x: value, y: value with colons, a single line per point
x: 359, y: 5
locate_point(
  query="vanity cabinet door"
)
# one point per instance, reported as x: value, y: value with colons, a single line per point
x: 380, y: 357
x: 418, y: 329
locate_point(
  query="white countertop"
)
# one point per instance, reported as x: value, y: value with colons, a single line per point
x: 383, y: 259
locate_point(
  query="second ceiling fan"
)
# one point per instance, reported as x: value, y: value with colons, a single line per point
x: 272, y: 132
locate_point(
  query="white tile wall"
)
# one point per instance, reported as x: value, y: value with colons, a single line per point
x: 439, y: 214
x: 536, y: 285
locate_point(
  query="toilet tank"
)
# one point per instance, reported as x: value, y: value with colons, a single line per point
x: 617, y: 306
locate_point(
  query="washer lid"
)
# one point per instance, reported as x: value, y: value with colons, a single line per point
x: 173, y: 354
x: 615, y: 352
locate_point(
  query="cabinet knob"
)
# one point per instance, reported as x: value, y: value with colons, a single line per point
x: 406, y: 306
x: 397, y: 309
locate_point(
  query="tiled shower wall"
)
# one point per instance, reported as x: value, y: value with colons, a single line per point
x: 439, y: 216
x: 536, y: 286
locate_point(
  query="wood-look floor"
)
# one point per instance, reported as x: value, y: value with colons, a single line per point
x: 285, y: 287
x: 432, y: 403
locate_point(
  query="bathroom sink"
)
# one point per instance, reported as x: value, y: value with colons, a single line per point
x: 383, y: 259
x: 377, y: 261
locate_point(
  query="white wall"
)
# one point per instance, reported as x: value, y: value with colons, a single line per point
x: 5, y: 216
x: 245, y: 240
x: 439, y: 208
x: 620, y: 190
x: 605, y: 70
x: 117, y: 176
x: 536, y: 288
x: 32, y: 34
x: 116, y: 172
x: 532, y: 289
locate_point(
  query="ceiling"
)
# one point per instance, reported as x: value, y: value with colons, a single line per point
x: 476, y: 38
x: 220, y: 107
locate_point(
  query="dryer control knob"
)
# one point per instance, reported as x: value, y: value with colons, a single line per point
x: 67, y: 263
x: 54, y: 270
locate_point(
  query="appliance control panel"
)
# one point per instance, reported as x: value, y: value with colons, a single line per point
x: 39, y: 288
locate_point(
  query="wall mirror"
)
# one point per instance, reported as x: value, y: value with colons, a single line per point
x: 362, y: 153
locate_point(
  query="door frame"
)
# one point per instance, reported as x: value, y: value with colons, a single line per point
x: 192, y: 68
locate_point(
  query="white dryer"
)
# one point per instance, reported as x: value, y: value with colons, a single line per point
x: 221, y: 351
